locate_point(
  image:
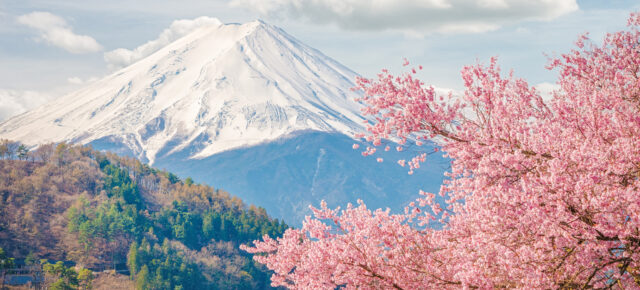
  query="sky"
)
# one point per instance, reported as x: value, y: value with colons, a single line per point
x: 49, y: 48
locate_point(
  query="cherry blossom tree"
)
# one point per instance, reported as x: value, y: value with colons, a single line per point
x: 542, y: 192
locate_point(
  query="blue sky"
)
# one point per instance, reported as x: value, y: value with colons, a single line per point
x: 48, y: 48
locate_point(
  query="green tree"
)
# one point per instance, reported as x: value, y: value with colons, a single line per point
x: 31, y: 259
x: 118, y: 183
x: 22, y: 152
x: 85, y: 279
x: 109, y: 227
x: 67, y: 278
x: 142, y: 279
x: 133, y: 260
x: 211, y: 225
x: 172, y: 177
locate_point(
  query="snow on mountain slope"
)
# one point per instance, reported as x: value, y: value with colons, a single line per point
x: 218, y: 88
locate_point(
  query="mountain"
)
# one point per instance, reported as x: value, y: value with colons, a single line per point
x: 245, y: 107
x: 218, y: 88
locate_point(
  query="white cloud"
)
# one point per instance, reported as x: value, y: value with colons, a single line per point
x: 13, y: 102
x: 122, y: 57
x: 419, y: 16
x: 54, y: 30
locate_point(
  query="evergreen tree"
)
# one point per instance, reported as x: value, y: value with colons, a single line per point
x: 22, y: 152
x: 142, y: 279
x: 132, y: 259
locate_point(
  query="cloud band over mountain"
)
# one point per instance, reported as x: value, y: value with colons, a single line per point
x: 414, y: 16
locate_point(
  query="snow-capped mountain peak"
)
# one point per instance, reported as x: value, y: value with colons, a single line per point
x: 218, y: 88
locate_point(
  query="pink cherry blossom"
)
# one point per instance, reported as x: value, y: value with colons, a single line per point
x: 540, y: 194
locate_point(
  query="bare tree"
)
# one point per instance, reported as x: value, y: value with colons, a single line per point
x: 12, y: 148
x: 4, y: 148
x: 44, y: 152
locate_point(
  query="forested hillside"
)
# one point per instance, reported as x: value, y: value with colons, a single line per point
x: 103, y: 211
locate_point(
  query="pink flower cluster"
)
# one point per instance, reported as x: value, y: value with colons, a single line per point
x: 541, y: 194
